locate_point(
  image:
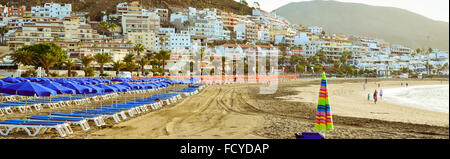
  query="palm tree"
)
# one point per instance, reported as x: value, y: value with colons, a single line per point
x: 129, y: 58
x: 202, y: 54
x: 101, y: 59
x: 3, y: 31
x: 186, y: 23
x: 294, y: 61
x: 345, y: 56
x: 162, y: 56
x: 79, y: 43
x: 104, y: 26
x: 69, y: 64
x: 321, y: 55
x: 117, y: 66
x: 256, y: 5
x: 86, y: 61
x: 142, y: 62
x: 429, y: 67
x: 23, y: 57
x: 151, y: 57
x: 47, y: 61
x: 161, y: 41
x: 139, y: 48
x: 113, y: 28
x: 131, y: 66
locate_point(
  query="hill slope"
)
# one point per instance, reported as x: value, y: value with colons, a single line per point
x: 94, y: 7
x: 394, y: 25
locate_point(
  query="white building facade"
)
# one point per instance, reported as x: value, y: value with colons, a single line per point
x: 52, y: 10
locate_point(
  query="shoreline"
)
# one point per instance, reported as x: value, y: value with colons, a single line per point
x: 395, y: 99
x: 349, y: 99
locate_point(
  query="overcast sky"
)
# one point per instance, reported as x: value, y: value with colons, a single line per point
x: 434, y: 9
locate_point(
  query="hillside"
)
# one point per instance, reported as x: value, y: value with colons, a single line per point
x: 94, y: 7
x: 394, y: 25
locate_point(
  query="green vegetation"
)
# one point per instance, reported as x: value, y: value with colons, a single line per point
x: 118, y: 66
x: 102, y: 59
x: 45, y: 55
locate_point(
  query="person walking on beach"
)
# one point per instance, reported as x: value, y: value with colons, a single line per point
x: 406, y: 84
x: 381, y: 94
x: 364, y: 87
x: 375, y: 94
x: 368, y: 96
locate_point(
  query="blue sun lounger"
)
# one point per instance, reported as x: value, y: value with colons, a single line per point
x: 105, y: 114
x: 76, y: 121
x: 9, y: 107
x: 98, y: 119
x: 37, y: 127
x: 131, y: 111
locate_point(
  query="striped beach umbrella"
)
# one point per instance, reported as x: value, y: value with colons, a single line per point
x: 324, y: 120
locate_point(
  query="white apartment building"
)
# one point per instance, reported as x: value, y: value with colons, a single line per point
x: 178, y: 17
x: 240, y: 31
x: 278, y: 39
x: 210, y: 28
x: 315, y: 29
x: 163, y: 15
x: 129, y: 8
x: 140, y: 22
x: 168, y: 39
x: 52, y: 10
x: 192, y: 12
x: 264, y: 36
x: 301, y: 39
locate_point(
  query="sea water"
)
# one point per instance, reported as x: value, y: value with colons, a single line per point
x: 429, y: 97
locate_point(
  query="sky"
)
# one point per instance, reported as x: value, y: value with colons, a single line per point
x: 433, y: 9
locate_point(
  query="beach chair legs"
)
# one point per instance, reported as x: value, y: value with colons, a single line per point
x: 37, y: 129
x: 60, y: 130
x: 67, y: 128
x: 99, y: 121
x: 84, y: 125
x: 124, y: 117
x: 116, y: 118
x: 167, y: 102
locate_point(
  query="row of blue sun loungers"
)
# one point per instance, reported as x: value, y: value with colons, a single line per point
x: 23, y: 106
x: 26, y: 106
x: 62, y: 122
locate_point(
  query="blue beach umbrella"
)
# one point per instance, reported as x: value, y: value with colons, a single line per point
x: 28, y: 89
x: 147, y: 86
x: 95, y: 89
x: 120, y: 88
x: 11, y: 80
x: 21, y: 79
x: 130, y: 85
x: 108, y: 89
x: 57, y: 87
x: 3, y: 83
x: 79, y: 89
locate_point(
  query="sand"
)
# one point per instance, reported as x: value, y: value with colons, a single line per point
x: 239, y: 111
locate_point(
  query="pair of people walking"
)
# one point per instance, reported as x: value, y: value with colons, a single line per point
x: 375, y: 96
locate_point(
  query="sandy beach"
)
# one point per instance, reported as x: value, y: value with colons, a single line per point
x: 239, y: 111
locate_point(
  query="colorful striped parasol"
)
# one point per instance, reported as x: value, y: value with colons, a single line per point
x: 324, y: 120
